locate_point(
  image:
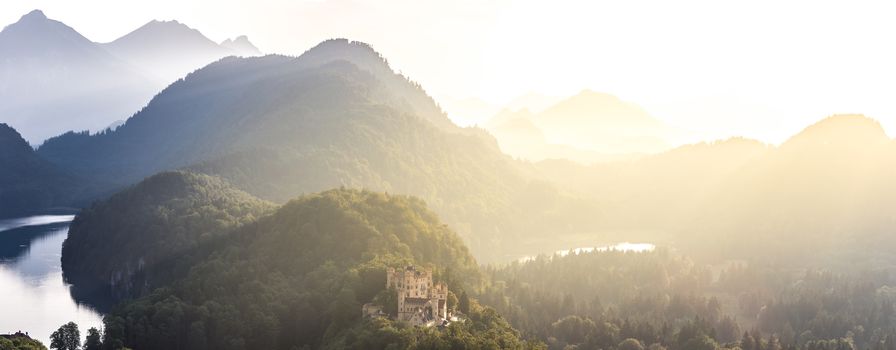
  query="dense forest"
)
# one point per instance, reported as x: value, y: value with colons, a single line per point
x: 147, y: 231
x: 212, y: 239
x: 294, y: 278
x: 278, y: 127
x: 28, y: 183
x: 661, y: 299
x: 19, y: 342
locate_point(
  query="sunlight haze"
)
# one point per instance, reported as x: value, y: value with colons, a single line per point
x: 452, y: 174
x: 763, y: 70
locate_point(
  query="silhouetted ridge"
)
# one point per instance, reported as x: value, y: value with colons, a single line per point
x: 34, y: 15
x: 11, y: 141
x: 840, y: 130
x: 366, y: 58
x: 241, y: 46
x: 278, y: 127
x: 29, y: 184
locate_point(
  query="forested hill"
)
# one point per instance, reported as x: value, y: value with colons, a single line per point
x: 28, y: 183
x: 145, y: 232
x: 278, y: 127
x: 293, y: 279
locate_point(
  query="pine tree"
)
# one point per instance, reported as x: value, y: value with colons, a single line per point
x: 93, y: 342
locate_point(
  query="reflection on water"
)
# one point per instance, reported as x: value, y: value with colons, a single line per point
x: 16, y: 242
x: 38, y: 220
x: 33, y: 296
x: 619, y: 247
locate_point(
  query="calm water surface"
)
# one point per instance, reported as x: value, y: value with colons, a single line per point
x: 33, y: 297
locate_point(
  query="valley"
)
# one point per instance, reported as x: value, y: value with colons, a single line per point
x: 190, y: 193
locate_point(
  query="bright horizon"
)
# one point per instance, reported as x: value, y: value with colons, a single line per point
x: 765, y: 70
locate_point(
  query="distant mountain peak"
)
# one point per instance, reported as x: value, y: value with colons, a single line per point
x: 242, y: 39
x: 590, y: 99
x: 165, y: 28
x: 34, y: 15
x: 364, y: 55
x: 241, y: 46
x: 853, y: 129
x: 172, y: 22
x: 597, y: 107
x: 35, y: 20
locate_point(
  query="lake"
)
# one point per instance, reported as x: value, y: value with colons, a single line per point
x: 33, y: 296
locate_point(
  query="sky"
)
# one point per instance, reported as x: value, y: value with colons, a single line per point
x: 760, y: 69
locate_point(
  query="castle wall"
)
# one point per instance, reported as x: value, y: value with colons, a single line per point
x: 418, y: 295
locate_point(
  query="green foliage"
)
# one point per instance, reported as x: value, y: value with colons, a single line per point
x: 630, y: 344
x: 701, y: 342
x: 93, y: 340
x: 299, y: 276
x: 463, y: 303
x: 150, y: 233
x: 388, y: 299
x: 67, y: 337
x: 596, y: 300
x: 28, y: 183
x: 278, y: 127
x: 14, y: 342
x: 483, y: 329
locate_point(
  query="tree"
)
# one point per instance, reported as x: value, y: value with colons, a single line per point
x: 452, y: 301
x: 630, y: 344
x: 747, y: 342
x: 701, y: 342
x: 573, y: 329
x: 67, y: 337
x: 388, y: 299
x: 773, y: 343
x: 93, y: 342
x: 464, y: 303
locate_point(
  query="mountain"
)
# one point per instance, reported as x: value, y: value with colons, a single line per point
x: 587, y: 122
x: 822, y: 196
x: 655, y: 197
x: 407, y: 94
x: 168, y: 50
x: 826, y: 188
x: 517, y: 135
x: 241, y: 46
x: 296, y: 278
x: 278, y: 127
x: 52, y: 79
x: 29, y: 184
x: 148, y: 229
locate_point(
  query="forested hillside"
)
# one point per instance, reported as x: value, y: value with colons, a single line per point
x: 278, y: 127
x: 662, y: 300
x: 297, y: 277
x: 29, y: 184
x: 294, y: 279
x: 148, y: 231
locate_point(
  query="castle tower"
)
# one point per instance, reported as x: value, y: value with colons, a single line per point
x: 419, y: 300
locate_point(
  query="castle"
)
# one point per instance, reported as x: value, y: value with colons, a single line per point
x: 420, y: 302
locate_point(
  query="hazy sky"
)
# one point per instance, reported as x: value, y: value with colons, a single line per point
x: 762, y: 69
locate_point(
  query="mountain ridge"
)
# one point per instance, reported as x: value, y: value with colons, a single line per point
x: 279, y: 126
x: 42, y: 56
